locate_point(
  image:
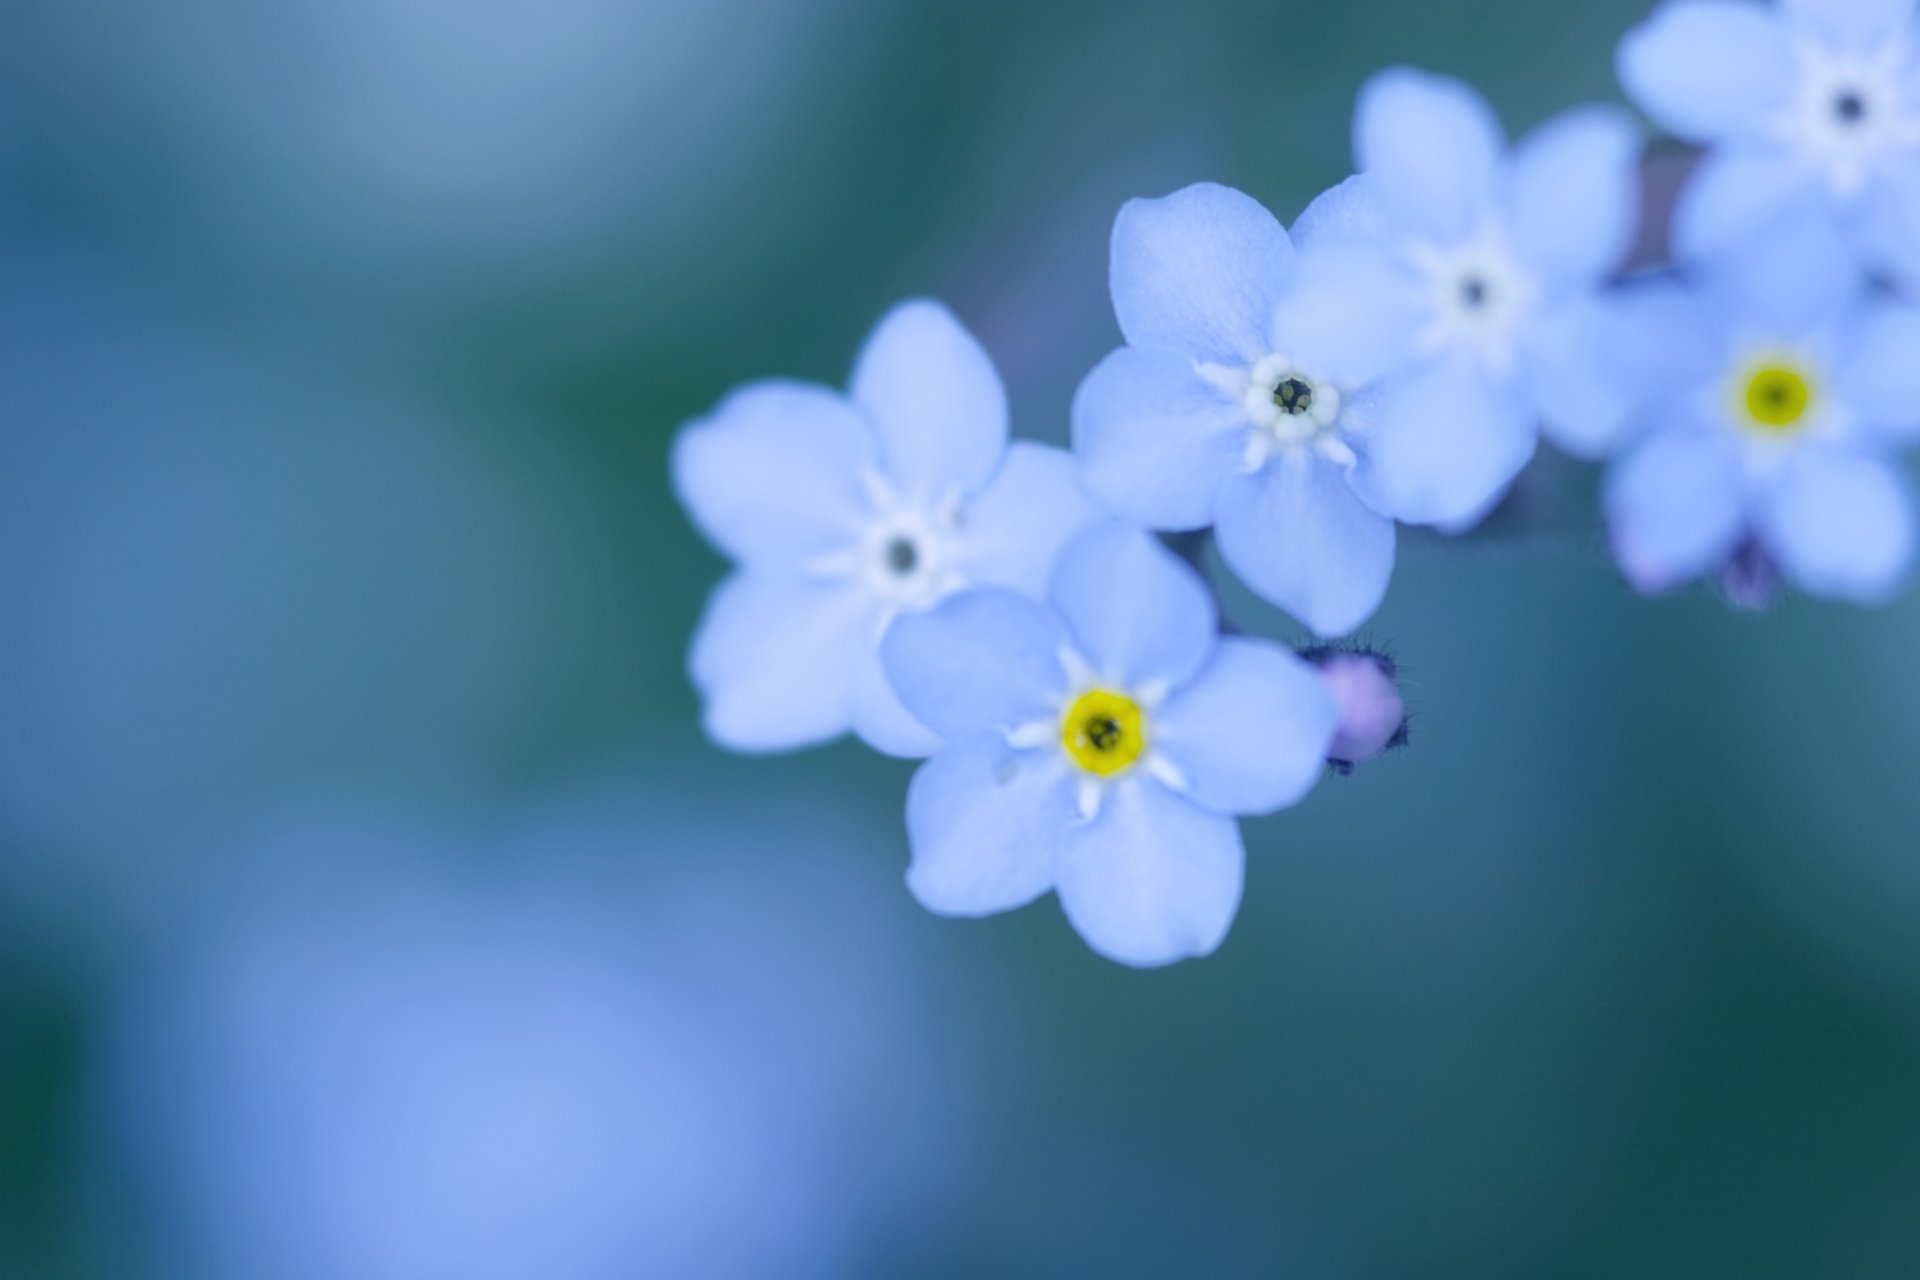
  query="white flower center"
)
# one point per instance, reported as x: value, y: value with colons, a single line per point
x: 1852, y: 113
x: 1477, y: 296
x: 906, y: 554
x: 1287, y: 408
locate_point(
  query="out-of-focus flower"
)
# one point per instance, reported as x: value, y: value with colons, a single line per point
x: 1808, y: 104
x: 1780, y: 446
x: 844, y: 512
x: 1100, y: 745
x: 1467, y: 280
x: 1217, y: 411
x: 388, y: 1059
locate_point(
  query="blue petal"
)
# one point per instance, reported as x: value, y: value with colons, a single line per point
x: 932, y: 391
x: 1133, y: 609
x: 880, y: 719
x: 1676, y: 507
x: 1708, y: 69
x: 1350, y: 213
x: 1252, y: 732
x: 1595, y: 362
x: 1794, y: 279
x: 1883, y: 225
x: 1198, y: 271
x: 1016, y: 526
x: 1573, y: 194
x: 1737, y: 193
x: 1432, y: 146
x: 985, y: 824
x: 1840, y: 524
x: 1153, y: 879
x: 1154, y: 439
x: 1300, y: 537
x: 773, y: 476
x: 776, y: 659
x: 1879, y: 371
x: 978, y: 661
x: 1446, y: 441
x: 1352, y: 312
x: 1853, y: 26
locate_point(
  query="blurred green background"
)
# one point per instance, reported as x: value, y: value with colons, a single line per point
x: 341, y: 343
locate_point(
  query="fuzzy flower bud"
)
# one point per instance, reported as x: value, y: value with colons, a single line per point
x: 1373, y: 716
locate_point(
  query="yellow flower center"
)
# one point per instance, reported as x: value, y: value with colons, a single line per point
x: 1778, y: 397
x: 1104, y: 732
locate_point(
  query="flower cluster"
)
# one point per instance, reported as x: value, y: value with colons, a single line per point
x: 1004, y: 610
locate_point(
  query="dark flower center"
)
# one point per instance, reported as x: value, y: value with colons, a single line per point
x: 1103, y: 732
x: 1293, y: 396
x: 1850, y: 107
x: 903, y: 557
x: 1474, y: 293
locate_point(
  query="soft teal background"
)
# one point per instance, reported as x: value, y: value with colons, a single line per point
x: 340, y: 349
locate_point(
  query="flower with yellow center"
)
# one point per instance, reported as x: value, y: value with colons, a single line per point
x: 1776, y: 396
x: 1104, y: 732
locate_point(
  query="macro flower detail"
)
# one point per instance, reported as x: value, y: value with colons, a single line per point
x: 1218, y: 412
x: 1101, y: 744
x: 1467, y: 280
x: 1807, y: 104
x: 843, y: 512
x: 1373, y: 715
x: 1776, y: 460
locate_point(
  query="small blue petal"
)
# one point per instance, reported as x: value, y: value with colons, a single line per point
x: 1851, y: 26
x: 1432, y: 146
x: 1445, y: 442
x: 1198, y: 271
x: 1153, y: 879
x: 1252, y: 732
x: 1154, y: 439
x: 880, y: 719
x: 1840, y: 524
x: 1676, y: 507
x: 1596, y: 362
x: 1350, y: 213
x: 978, y: 661
x: 1738, y: 193
x: 776, y: 659
x: 1573, y: 194
x: 1352, y: 313
x: 1883, y: 227
x: 1795, y: 278
x: 1134, y: 610
x: 1879, y: 372
x: 1300, y: 537
x: 773, y: 476
x: 985, y: 824
x: 932, y: 391
x: 1706, y: 70
x: 1016, y: 526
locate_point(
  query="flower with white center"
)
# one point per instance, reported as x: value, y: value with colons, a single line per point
x: 843, y: 512
x: 1100, y: 745
x: 1218, y: 411
x: 1807, y: 104
x: 1468, y: 281
x: 1777, y: 455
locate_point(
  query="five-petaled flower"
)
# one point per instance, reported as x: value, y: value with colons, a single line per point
x: 1780, y: 443
x: 845, y: 511
x: 1101, y: 745
x: 1809, y: 104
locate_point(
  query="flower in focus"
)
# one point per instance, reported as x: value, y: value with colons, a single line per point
x: 845, y: 511
x: 1467, y: 280
x: 1778, y: 455
x: 1217, y: 412
x: 1810, y: 104
x: 1100, y: 745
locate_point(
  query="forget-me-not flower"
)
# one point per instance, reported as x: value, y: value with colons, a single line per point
x: 1100, y: 745
x: 845, y: 511
x: 1780, y: 447
x: 1467, y: 279
x: 1809, y: 103
x: 1219, y: 411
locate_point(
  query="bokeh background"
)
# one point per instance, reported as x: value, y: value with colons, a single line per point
x: 372, y: 909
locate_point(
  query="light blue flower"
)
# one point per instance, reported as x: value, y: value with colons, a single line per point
x: 1219, y: 411
x: 1468, y: 280
x: 1810, y: 103
x: 844, y: 511
x: 1099, y: 745
x: 1780, y: 444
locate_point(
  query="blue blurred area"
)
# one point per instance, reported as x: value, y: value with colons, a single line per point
x: 370, y: 906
